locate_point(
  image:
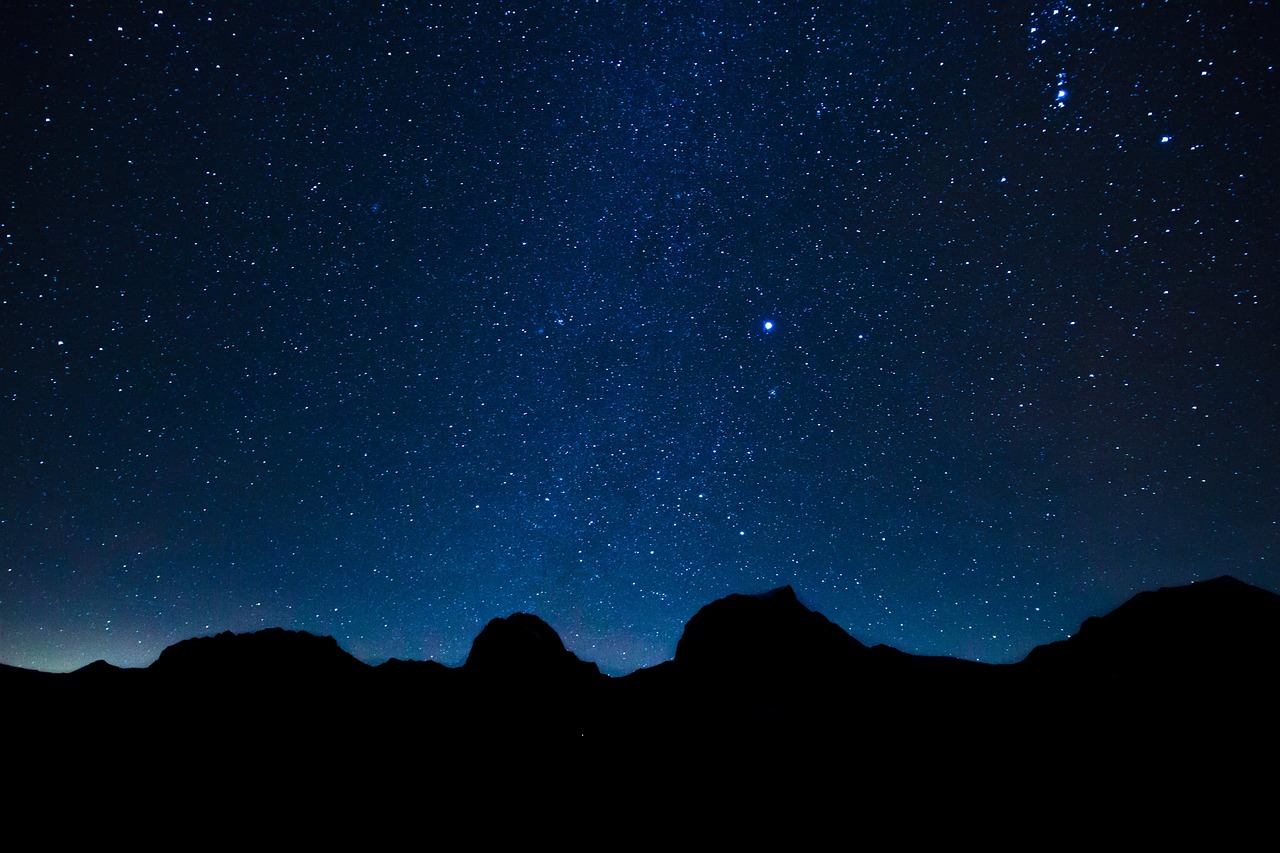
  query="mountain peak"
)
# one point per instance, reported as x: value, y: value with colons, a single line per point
x: 272, y: 652
x: 772, y: 630
x: 522, y: 645
x: 783, y: 593
x: 1212, y: 624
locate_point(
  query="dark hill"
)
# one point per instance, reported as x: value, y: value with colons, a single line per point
x: 767, y: 633
x: 1171, y: 687
x: 523, y: 646
x: 751, y: 663
x: 524, y: 689
x: 273, y: 655
x: 1206, y: 629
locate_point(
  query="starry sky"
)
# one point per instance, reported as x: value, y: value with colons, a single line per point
x: 380, y: 320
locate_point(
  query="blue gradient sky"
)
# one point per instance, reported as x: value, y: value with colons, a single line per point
x: 382, y: 320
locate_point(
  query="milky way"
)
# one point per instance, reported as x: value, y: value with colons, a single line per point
x: 383, y: 320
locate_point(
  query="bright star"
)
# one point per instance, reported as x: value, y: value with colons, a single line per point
x: 768, y: 325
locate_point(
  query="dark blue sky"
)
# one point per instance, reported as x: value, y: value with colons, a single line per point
x: 382, y: 320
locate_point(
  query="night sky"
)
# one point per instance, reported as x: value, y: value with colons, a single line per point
x: 383, y: 320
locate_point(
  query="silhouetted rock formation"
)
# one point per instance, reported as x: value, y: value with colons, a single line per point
x: 274, y: 654
x: 1204, y: 630
x: 767, y: 633
x: 97, y: 669
x: 1187, y: 672
x: 749, y: 667
x: 525, y: 688
x: 1178, y: 682
x: 522, y: 646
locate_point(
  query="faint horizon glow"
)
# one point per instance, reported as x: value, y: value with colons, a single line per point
x: 381, y: 325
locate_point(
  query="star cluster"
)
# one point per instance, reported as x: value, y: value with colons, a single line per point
x: 380, y: 320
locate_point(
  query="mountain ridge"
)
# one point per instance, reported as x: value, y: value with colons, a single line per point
x: 761, y: 688
x: 529, y: 637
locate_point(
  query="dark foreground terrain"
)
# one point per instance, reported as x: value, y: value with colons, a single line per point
x: 1161, y: 711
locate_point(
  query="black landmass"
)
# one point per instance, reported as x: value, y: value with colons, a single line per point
x: 1171, y: 696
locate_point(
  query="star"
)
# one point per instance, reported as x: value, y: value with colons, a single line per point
x: 443, y: 344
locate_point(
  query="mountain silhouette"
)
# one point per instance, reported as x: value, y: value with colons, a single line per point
x: 273, y: 655
x: 522, y: 646
x: 1209, y: 629
x: 767, y: 633
x: 1175, y: 684
x: 1191, y: 667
